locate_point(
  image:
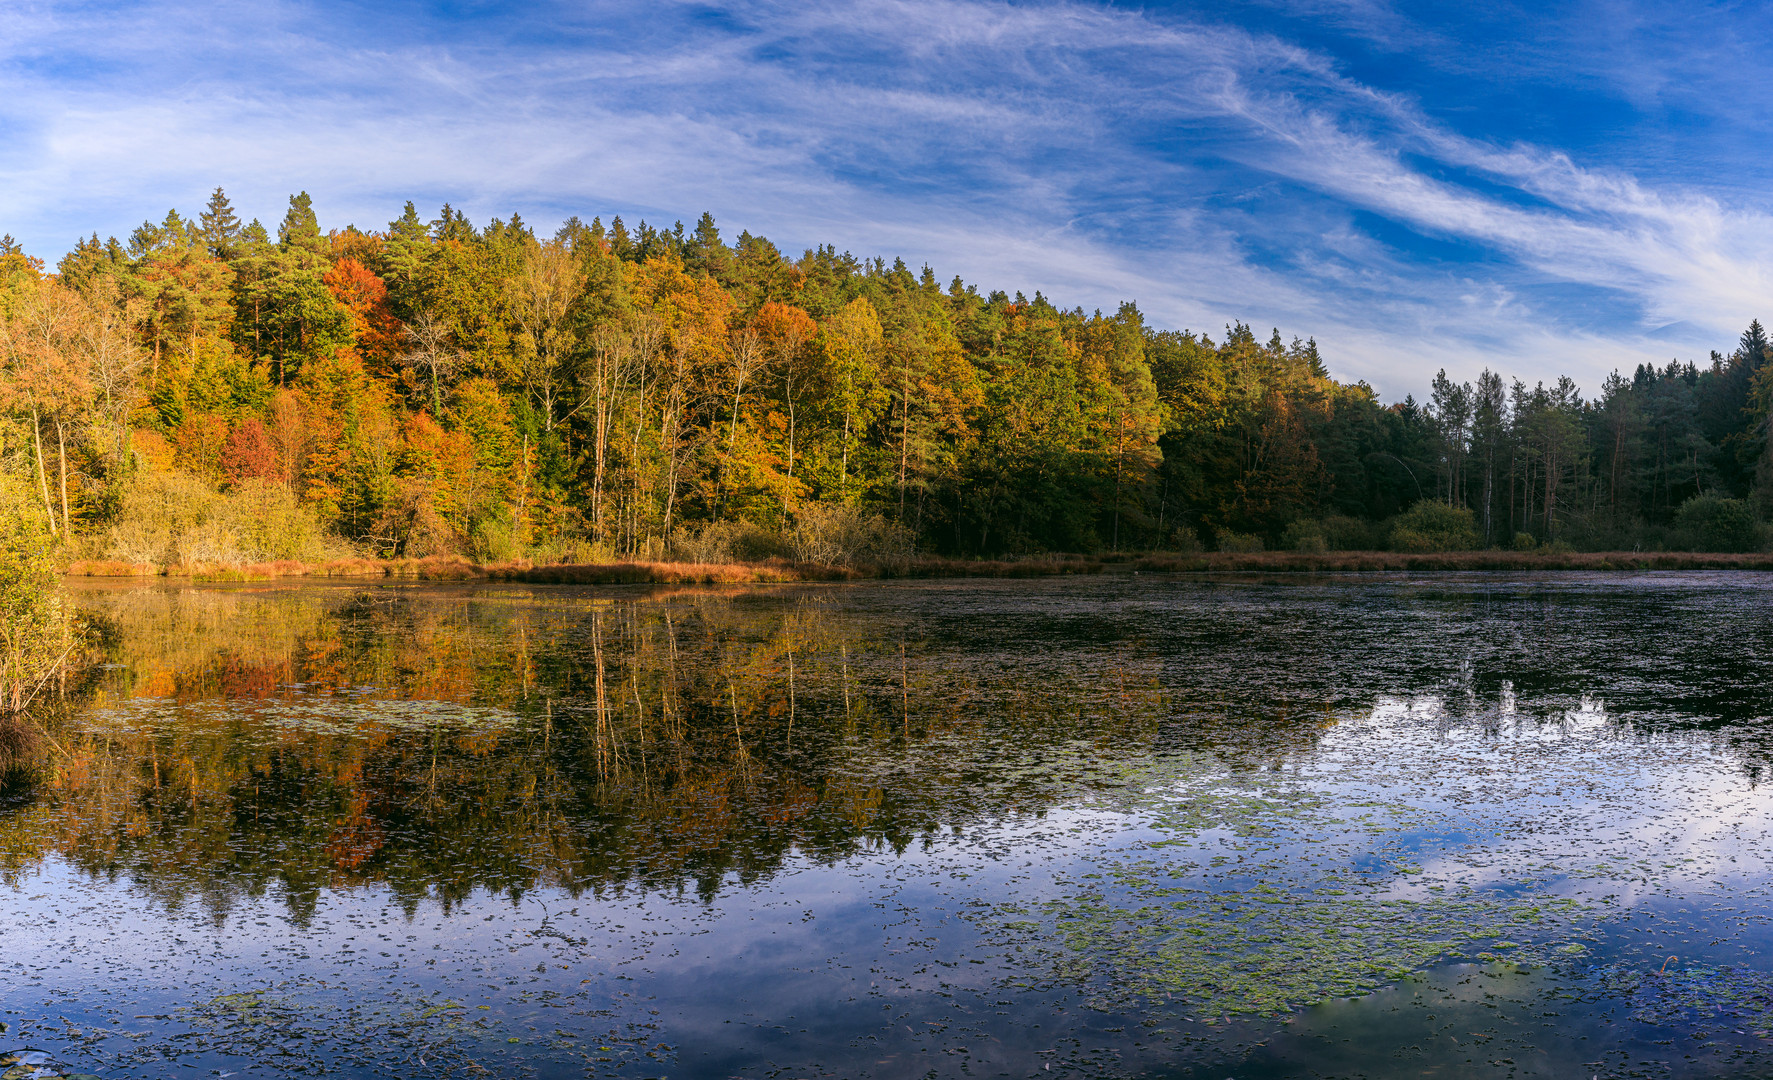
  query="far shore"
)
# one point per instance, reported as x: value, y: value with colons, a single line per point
x: 455, y: 568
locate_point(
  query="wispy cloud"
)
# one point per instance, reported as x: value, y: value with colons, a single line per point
x: 1211, y: 171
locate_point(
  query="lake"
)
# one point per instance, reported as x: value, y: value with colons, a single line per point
x: 1257, y: 826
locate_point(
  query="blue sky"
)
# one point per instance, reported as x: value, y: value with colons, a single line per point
x: 1540, y: 188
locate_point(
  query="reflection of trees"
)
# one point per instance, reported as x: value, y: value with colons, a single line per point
x: 671, y: 739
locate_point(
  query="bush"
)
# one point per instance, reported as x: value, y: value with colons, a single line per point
x: 729, y: 541
x: 36, y: 632
x: 1713, y: 524
x: 494, y: 539
x: 173, y: 517
x: 1433, y: 526
x: 1305, y: 535
x: 1524, y: 541
x: 410, y: 526
x: 1238, y: 543
x: 268, y: 524
x: 156, y: 512
x: 1334, y: 533
x: 833, y: 534
x: 1348, y: 534
x: 1186, y: 540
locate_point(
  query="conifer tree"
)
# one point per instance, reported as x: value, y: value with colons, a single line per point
x: 219, y: 227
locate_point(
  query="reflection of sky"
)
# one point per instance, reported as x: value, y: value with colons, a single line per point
x: 1559, y: 788
x: 881, y: 943
x: 1569, y: 186
x: 1551, y: 782
x: 875, y: 948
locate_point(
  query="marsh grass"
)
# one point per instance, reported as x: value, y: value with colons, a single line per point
x: 615, y: 572
x: 1309, y: 562
x: 19, y: 744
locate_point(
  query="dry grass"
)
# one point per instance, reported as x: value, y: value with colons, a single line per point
x: 675, y: 573
x: 1044, y: 566
x: 778, y: 570
x: 458, y: 568
x: 1334, y: 561
x: 18, y: 743
x: 110, y: 568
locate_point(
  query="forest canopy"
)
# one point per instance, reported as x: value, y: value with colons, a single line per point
x: 205, y: 390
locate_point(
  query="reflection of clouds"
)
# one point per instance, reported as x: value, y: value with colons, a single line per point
x: 1556, y: 792
x: 1505, y: 718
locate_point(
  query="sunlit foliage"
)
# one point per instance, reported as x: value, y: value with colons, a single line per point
x: 438, y: 388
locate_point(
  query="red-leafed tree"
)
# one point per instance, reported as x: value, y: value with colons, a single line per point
x: 251, y: 455
x: 366, y: 296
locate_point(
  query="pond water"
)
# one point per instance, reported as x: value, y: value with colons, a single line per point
x: 1372, y: 825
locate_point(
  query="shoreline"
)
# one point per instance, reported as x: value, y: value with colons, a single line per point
x: 780, y: 571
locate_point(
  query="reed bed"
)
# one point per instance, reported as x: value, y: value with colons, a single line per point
x: 18, y: 745
x: 1343, y: 561
x: 659, y: 572
x: 778, y: 570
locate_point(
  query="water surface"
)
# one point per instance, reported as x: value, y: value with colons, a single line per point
x: 1371, y: 825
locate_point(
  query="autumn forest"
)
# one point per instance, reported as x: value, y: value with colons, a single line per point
x: 208, y: 391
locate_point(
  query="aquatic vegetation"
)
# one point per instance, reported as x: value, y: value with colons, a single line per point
x: 1294, y: 900
x: 1703, y: 1000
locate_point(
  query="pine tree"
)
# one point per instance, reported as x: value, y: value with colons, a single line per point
x: 300, y: 228
x: 219, y: 227
x: 704, y: 253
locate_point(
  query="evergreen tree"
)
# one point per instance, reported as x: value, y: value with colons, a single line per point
x: 300, y: 229
x: 218, y: 226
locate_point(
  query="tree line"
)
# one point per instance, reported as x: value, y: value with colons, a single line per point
x: 436, y: 387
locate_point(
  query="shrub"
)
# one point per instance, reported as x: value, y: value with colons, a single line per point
x: 410, y: 525
x: 1305, y: 535
x: 157, y: 511
x: 1239, y: 543
x: 1524, y: 541
x: 269, y: 524
x: 727, y: 541
x: 494, y: 539
x: 1433, y: 526
x: 1714, y: 524
x: 1348, y: 534
x: 1185, y: 539
x: 173, y: 517
x: 36, y: 632
x: 833, y: 534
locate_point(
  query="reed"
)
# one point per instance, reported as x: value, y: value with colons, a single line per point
x: 18, y: 746
x: 1444, y: 561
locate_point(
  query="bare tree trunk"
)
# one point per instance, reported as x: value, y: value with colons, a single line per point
x: 61, y: 456
x: 668, y: 435
x: 1489, y: 496
x: 904, y: 434
x: 843, y: 473
x: 1550, y: 490
x: 790, y: 383
x: 1120, y: 461
x: 42, y: 478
